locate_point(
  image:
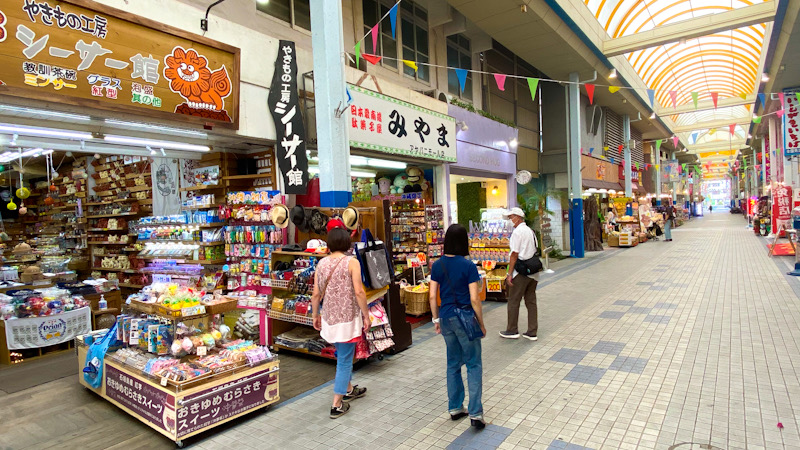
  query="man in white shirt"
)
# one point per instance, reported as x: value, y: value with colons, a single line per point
x: 523, y: 246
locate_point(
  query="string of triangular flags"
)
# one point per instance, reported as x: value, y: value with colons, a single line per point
x: 642, y: 166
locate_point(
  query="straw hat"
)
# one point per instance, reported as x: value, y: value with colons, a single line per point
x: 22, y: 249
x: 351, y: 217
x: 279, y: 214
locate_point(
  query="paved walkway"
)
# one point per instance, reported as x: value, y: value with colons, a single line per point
x: 694, y: 341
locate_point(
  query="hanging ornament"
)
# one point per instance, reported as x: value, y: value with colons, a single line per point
x: 11, y: 205
x: 23, y: 192
x: 23, y: 210
x: 48, y: 201
x: 53, y: 188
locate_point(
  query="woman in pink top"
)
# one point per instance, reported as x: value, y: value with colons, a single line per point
x: 345, y: 316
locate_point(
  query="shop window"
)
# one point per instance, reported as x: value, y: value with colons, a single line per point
x: 414, y: 34
x: 459, y: 55
x: 295, y: 12
x: 387, y: 47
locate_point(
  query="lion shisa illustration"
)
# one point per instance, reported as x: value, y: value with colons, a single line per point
x: 204, y: 90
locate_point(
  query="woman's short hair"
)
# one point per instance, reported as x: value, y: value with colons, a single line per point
x: 456, y: 241
x: 338, y: 240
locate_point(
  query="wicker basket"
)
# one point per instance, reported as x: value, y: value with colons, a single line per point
x: 417, y: 303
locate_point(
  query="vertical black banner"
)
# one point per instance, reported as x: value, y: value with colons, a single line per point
x: 283, y: 102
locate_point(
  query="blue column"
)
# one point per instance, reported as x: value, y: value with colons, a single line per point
x: 329, y: 94
x: 574, y: 154
x: 626, y: 136
x: 657, y: 166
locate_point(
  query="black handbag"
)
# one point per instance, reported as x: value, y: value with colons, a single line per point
x: 377, y: 270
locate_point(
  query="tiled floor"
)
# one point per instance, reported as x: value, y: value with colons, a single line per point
x: 710, y: 357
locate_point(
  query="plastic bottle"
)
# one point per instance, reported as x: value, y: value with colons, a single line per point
x: 103, y: 303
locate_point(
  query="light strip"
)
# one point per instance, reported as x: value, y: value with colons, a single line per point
x: 353, y: 173
x: 150, y: 127
x: 154, y: 143
x: 49, y: 132
x: 44, y: 112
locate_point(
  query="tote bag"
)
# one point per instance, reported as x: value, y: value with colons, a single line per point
x: 376, y: 266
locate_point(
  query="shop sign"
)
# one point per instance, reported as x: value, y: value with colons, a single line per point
x: 476, y: 157
x: 207, y: 407
x: 600, y: 173
x: 634, y: 173
x: 791, y: 123
x: 781, y: 206
x: 397, y: 197
x: 87, y: 54
x: 386, y: 124
x: 283, y: 102
x: 251, y: 197
x: 141, y: 399
x: 36, y: 332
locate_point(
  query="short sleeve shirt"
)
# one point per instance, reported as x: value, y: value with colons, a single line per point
x: 523, y: 241
x: 454, y: 275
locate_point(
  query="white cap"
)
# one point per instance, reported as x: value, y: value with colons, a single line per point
x: 514, y: 212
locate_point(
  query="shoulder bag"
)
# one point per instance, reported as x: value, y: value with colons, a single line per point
x: 376, y: 265
x: 530, y: 266
x: 465, y: 313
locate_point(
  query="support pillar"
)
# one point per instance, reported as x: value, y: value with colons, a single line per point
x: 673, y: 183
x: 764, y: 151
x: 773, y: 143
x: 626, y: 136
x: 329, y: 94
x: 657, y: 166
x: 574, y: 156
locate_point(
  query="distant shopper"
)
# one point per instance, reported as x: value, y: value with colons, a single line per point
x: 669, y: 217
x: 345, y: 317
x: 523, y: 247
x: 456, y: 279
x: 710, y: 208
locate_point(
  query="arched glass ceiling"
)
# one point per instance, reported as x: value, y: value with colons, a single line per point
x: 731, y: 112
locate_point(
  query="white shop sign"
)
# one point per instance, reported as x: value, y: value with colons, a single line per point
x: 386, y: 124
x: 36, y: 332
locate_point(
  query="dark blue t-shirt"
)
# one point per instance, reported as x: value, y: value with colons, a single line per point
x: 454, y: 285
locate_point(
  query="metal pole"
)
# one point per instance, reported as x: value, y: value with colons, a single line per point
x: 574, y: 156
x: 626, y: 135
x: 657, y: 166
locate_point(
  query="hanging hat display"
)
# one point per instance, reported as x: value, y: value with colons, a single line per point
x: 279, y: 214
x: 350, y: 217
x: 319, y: 222
x: 299, y: 218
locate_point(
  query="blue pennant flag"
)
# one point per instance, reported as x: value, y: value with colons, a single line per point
x: 761, y: 98
x: 349, y: 97
x: 393, y: 19
x: 462, y: 77
x: 652, y: 95
x: 612, y: 160
x: 591, y: 149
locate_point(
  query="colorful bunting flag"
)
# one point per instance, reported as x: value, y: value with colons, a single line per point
x: 461, y: 74
x: 590, y: 92
x: 684, y: 166
x: 781, y: 97
x: 411, y: 64
x: 393, y: 19
x: 715, y: 98
x: 658, y: 166
x: 500, y: 79
x: 761, y: 98
x: 756, y: 119
x: 614, y: 89
x: 651, y: 94
x: 658, y: 144
x: 637, y: 166
x: 712, y: 131
x: 533, y: 83
x: 374, y: 32
x: 374, y: 59
x: 797, y: 94
x: 675, y: 141
x: 779, y: 113
x: 612, y: 160
x: 358, y: 54
x: 732, y: 128
x: 743, y: 96
x: 695, y: 96
x: 674, y: 96
x: 619, y: 148
x: 591, y: 149
x: 605, y: 149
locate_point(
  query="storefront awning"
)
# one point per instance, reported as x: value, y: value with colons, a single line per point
x: 600, y: 184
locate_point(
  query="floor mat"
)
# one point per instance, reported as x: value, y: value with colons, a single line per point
x: 784, y: 249
x: 19, y: 377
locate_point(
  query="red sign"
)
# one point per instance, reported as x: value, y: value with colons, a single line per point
x: 752, y: 203
x: 781, y: 206
x: 634, y: 173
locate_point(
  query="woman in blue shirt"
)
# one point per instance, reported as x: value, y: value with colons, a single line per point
x: 456, y: 278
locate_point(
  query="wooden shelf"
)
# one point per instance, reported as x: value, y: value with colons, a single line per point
x: 102, y: 216
x: 301, y: 350
x: 102, y: 269
x: 193, y: 208
x: 138, y: 188
x: 131, y: 176
x: 204, y: 262
x: 281, y: 252
x: 197, y: 225
x: 108, y: 243
x: 170, y: 241
x: 203, y: 187
x: 248, y: 177
x: 115, y: 200
x: 107, y: 229
x: 131, y: 286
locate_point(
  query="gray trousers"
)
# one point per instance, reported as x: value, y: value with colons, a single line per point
x: 522, y: 286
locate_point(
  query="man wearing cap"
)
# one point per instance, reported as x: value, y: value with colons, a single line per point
x: 523, y: 246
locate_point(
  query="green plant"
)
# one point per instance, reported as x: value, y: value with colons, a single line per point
x: 555, y: 253
x: 469, y: 107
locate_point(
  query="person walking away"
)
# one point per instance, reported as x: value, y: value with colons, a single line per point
x: 523, y: 246
x: 710, y: 208
x: 456, y: 279
x: 669, y: 217
x: 337, y: 280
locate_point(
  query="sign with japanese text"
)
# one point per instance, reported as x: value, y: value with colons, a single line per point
x: 88, y: 54
x: 670, y: 171
x: 283, y: 103
x: 791, y: 123
x: 386, y: 124
x: 781, y: 206
x: 634, y: 173
x: 205, y: 408
x: 36, y: 332
x: 148, y: 402
x: 600, y: 172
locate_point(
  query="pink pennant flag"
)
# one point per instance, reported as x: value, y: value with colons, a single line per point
x: 500, y: 79
x: 581, y: 150
x: 375, y: 38
x: 732, y: 128
x: 779, y: 113
x: 781, y: 96
x: 590, y: 92
x: 714, y: 98
x: 675, y: 141
x: 674, y: 96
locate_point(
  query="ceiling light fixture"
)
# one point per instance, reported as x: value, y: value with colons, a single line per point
x: 653, y: 115
x: 47, y: 132
x: 613, y: 73
x: 156, y: 128
x: 43, y: 112
x: 764, y: 77
x: 494, y: 190
x: 152, y: 152
x: 163, y: 153
x: 462, y: 125
x: 513, y: 143
x: 155, y: 143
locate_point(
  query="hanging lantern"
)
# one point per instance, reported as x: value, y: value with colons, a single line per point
x: 23, y: 192
x: 53, y: 188
x: 23, y: 210
x: 11, y: 206
x: 48, y: 201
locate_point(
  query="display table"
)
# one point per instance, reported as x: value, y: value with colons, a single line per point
x: 179, y: 412
x: 44, y: 334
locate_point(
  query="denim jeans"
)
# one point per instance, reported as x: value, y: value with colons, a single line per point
x: 460, y: 351
x: 344, y: 366
x: 668, y: 229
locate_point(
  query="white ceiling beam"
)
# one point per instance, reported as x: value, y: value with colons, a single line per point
x: 733, y: 144
x: 706, y: 105
x: 692, y: 28
x: 722, y: 124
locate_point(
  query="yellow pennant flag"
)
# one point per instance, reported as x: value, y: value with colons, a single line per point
x: 411, y: 64
x: 743, y: 96
x: 712, y: 131
x: 613, y: 89
x: 657, y: 166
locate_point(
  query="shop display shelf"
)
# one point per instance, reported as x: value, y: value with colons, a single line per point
x: 108, y: 269
x: 202, y: 187
x: 175, y: 241
x: 302, y: 350
x: 108, y: 229
x: 286, y: 317
x: 206, y: 262
x: 194, y: 225
x: 194, y: 208
x: 139, y: 188
x: 131, y: 176
x: 107, y: 243
x: 281, y: 252
x: 131, y: 286
x: 248, y: 177
x: 115, y: 200
x: 131, y: 249
x: 101, y: 216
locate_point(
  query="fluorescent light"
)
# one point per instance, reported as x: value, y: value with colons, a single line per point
x: 513, y: 143
x: 613, y: 73
x: 49, y: 132
x: 172, y: 145
x: 653, y: 116
x: 372, y: 162
x: 764, y: 77
x: 149, y: 127
x: 362, y: 174
x: 43, y: 112
x: 356, y: 161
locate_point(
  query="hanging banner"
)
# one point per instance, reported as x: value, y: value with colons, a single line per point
x: 283, y: 103
x: 791, y: 124
x: 88, y: 54
x: 670, y: 171
x: 166, y: 195
x: 36, y: 332
x: 781, y: 207
x: 386, y: 124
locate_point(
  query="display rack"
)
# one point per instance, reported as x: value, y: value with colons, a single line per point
x: 408, y: 230
x: 434, y: 236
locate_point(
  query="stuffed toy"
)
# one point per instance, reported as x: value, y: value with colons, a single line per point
x: 415, y: 177
x: 384, y: 185
x: 399, y: 184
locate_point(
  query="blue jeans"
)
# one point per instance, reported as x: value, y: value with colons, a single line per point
x: 668, y: 229
x: 460, y: 351
x: 344, y: 366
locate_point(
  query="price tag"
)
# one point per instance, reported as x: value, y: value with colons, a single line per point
x: 193, y: 310
x: 201, y: 350
x: 163, y: 381
x: 157, y: 278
